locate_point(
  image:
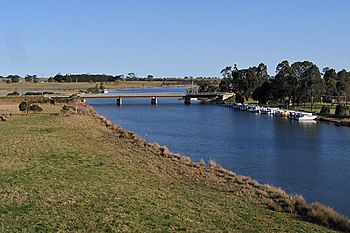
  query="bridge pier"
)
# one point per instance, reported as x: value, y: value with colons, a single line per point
x: 187, y: 100
x: 154, y: 100
x: 119, y: 101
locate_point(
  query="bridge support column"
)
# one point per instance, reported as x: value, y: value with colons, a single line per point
x: 187, y: 100
x: 154, y: 100
x: 119, y: 101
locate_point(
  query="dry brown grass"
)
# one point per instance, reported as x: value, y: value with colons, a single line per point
x: 70, y: 88
x: 9, y: 109
x: 326, y: 216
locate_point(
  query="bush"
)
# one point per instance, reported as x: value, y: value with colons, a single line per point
x: 326, y: 216
x: 15, y: 93
x: 325, y: 110
x: 93, y: 90
x: 3, y: 118
x: 33, y: 93
x: 15, y: 79
x: 66, y: 108
x: 35, y: 108
x: 341, y: 110
x: 24, y: 106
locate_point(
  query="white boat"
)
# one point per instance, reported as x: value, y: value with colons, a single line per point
x: 264, y: 110
x: 253, y: 108
x: 304, y: 116
x: 237, y: 106
x: 244, y: 107
x: 272, y: 111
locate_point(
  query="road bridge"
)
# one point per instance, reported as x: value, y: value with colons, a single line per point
x: 154, y: 96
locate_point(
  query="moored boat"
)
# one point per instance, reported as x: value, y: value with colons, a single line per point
x: 304, y: 116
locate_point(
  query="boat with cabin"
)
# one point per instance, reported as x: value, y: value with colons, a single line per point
x: 304, y: 116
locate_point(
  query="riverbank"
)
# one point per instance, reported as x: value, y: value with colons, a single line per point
x: 70, y: 88
x: 81, y: 172
x: 334, y: 120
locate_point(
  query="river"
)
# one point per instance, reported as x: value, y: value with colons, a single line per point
x: 312, y: 159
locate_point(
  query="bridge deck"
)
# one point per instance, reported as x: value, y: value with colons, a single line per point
x: 149, y: 95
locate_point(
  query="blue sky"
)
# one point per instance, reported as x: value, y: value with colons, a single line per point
x: 169, y: 37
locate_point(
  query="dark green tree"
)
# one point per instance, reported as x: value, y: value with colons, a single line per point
x: 330, y: 78
x: 14, y: 78
x: 24, y: 107
x: 239, y: 99
x: 150, y: 77
x: 283, y: 85
x: 227, y: 72
x: 344, y: 84
x: 35, y: 108
x: 263, y: 94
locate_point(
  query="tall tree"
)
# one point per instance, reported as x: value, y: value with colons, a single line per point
x: 243, y: 81
x: 227, y: 72
x: 283, y: 85
x: 344, y: 84
x: 309, y: 81
x: 330, y: 78
x: 263, y: 94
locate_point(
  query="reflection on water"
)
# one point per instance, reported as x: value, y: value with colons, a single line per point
x: 311, y: 159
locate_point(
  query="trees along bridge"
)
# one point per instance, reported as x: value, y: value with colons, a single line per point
x: 154, y: 96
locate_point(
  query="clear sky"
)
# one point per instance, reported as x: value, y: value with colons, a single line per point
x: 169, y: 37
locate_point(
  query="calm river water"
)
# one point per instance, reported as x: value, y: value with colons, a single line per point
x: 312, y: 159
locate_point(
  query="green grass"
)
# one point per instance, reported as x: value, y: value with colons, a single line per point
x: 72, y: 174
x: 315, y: 108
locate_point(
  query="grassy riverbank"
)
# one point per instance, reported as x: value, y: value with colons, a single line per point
x: 81, y: 173
x: 71, y: 88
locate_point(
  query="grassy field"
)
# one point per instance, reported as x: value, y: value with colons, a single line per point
x: 73, y: 174
x: 70, y: 88
x: 314, y: 108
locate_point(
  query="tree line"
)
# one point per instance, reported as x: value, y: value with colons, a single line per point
x: 295, y: 83
x: 98, y: 78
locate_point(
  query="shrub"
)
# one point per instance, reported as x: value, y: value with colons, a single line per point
x: 15, y: 79
x: 326, y: 216
x: 3, y: 118
x: 300, y: 204
x: 15, y: 93
x: 66, y: 108
x: 35, y: 108
x: 33, y: 93
x: 93, y: 90
x: 212, y: 164
x: 341, y: 110
x: 24, y: 106
x: 201, y: 163
x: 325, y: 110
